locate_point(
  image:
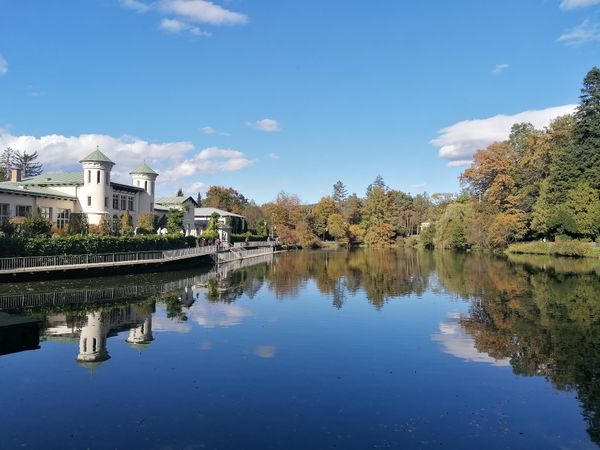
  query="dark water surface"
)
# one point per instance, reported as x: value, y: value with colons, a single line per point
x: 308, y: 350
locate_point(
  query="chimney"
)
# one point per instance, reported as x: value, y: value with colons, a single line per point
x: 15, y: 175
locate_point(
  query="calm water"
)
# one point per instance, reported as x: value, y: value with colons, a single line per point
x: 348, y: 350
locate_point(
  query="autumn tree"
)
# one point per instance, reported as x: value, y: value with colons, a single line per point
x: 227, y: 199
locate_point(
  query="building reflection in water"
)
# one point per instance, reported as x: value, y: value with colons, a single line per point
x: 93, y: 329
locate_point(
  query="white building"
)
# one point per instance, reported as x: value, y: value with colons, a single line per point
x: 228, y: 222
x: 186, y: 204
x: 56, y: 196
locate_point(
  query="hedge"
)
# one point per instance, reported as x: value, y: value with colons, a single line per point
x: 558, y: 248
x: 79, y: 245
x: 251, y: 237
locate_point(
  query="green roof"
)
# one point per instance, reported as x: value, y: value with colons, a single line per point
x: 176, y: 201
x: 49, y: 179
x: 36, y: 191
x: 96, y: 156
x: 143, y: 169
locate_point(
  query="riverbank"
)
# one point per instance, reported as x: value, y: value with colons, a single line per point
x: 572, y: 248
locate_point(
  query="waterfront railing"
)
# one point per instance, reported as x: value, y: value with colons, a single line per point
x: 25, y: 263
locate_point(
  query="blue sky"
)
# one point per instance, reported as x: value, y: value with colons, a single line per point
x: 279, y: 95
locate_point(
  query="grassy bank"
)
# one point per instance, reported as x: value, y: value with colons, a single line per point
x: 559, y: 248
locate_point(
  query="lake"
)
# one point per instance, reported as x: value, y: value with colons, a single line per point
x: 308, y: 350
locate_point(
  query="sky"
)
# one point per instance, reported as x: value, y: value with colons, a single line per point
x: 266, y: 96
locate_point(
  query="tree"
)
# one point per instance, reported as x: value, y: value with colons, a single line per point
x: 377, y: 183
x: 285, y: 210
x: 337, y: 226
x: 78, y: 224
x: 27, y: 163
x: 351, y: 209
x: 320, y: 214
x: 583, y: 204
x: 126, y: 223
x: 339, y: 192
x: 146, y: 222
x: 174, y: 220
x: 305, y: 236
x: 227, y: 199
x: 586, y: 130
x: 6, y: 163
x: 199, y: 199
x: 179, y: 192
x: 451, y: 228
x: 254, y: 216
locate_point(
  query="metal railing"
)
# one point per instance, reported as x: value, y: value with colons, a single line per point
x: 100, y: 259
x: 254, y: 244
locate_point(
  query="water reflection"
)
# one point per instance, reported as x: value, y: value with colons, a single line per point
x: 541, y: 317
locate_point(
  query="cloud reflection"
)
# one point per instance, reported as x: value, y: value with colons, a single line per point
x: 458, y: 343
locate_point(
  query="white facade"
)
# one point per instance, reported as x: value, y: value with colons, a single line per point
x: 91, y: 191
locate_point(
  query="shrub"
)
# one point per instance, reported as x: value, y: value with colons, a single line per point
x: 146, y: 223
x: 35, y: 226
x: 78, y: 224
x: 78, y: 244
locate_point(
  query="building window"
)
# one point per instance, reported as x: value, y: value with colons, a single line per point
x: 4, y: 213
x: 115, y: 202
x: 62, y: 218
x: 106, y: 202
x: 89, y: 176
x: 115, y: 223
x: 146, y: 185
x: 89, y: 201
x: 123, y: 202
x: 23, y: 211
x: 98, y: 177
x: 45, y: 212
x: 137, y: 183
x: 130, y: 203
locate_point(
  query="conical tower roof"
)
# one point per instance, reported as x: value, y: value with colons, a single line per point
x: 97, y: 156
x: 143, y: 169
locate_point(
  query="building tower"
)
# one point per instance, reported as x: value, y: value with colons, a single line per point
x: 144, y: 177
x: 94, y: 197
x: 92, y: 341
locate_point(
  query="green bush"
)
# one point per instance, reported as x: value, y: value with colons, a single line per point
x: 79, y: 245
x: 558, y: 248
x: 251, y: 237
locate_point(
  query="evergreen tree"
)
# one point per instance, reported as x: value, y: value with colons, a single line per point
x: 27, y: 162
x: 339, y: 192
x: 587, y: 128
x: 179, y: 192
x: 6, y: 163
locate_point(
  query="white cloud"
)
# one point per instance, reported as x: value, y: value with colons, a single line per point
x: 135, y: 5
x: 274, y: 156
x: 265, y: 351
x: 197, y: 186
x: 572, y: 4
x: 187, y: 13
x: 499, y: 68
x: 202, y: 11
x: 213, y: 315
x: 460, y: 344
x: 459, y: 142
x: 175, y: 26
x: 208, y: 161
x: 172, y: 160
x: 3, y: 66
x: 210, y: 130
x: 267, y: 125
x: 585, y: 32
x: 460, y: 163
